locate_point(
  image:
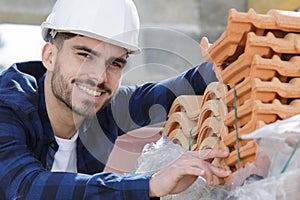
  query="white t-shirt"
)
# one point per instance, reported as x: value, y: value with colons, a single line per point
x: 65, y: 159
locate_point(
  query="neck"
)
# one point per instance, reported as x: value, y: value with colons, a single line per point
x: 63, y: 121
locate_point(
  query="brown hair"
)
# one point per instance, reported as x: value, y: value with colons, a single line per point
x: 59, y: 38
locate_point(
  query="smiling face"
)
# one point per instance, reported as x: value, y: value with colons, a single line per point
x: 86, y: 74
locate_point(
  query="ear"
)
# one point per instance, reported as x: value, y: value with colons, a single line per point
x: 48, y: 56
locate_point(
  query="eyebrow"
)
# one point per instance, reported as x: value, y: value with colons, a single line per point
x: 84, y: 48
x: 121, y: 60
x: 95, y: 53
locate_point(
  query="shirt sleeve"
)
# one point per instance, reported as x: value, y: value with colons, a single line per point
x: 22, y: 175
x: 142, y: 105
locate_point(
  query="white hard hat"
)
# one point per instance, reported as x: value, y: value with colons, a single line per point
x: 113, y: 21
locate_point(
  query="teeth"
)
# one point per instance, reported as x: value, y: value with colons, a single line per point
x: 90, y: 91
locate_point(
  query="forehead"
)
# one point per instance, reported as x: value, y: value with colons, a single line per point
x: 96, y: 45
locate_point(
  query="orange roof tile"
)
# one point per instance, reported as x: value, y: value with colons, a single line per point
x: 231, y: 43
x: 266, y: 68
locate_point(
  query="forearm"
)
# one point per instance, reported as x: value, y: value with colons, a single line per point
x: 52, y: 185
x: 149, y: 103
x: 191, y: 82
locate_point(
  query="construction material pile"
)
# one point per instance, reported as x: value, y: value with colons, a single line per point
x: 257, y: 63
x: 196, y: 122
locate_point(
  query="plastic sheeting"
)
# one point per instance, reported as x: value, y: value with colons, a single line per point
x: 278, y: 141
x: 164, y: 151
x: 274, y: 175
x: 283, y: 187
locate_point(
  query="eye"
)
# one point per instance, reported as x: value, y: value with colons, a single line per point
x: 116, y: 62
x: 84, y: 55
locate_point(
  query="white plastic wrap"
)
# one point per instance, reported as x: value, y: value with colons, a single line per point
x: 278, y: 142
x: 283, y: 187
x: 157, y: 155
x: 164, y: 151
x: 276, y: 171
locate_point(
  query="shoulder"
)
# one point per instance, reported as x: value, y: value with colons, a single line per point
x: 19, y: 85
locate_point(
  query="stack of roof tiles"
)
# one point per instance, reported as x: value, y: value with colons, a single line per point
x: 258, y: 58
x: 181, y: 125
x: 257, y: 63
x: 195, y: 122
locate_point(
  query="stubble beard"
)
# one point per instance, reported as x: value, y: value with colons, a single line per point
x: 63, y: 93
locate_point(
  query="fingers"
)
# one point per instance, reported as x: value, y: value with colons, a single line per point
x: 198, y: 167
x: 209, y: 154
x: 181, y: 173
x: 206, y: 170
x: 200, y: 162
x: 219, y: 172
x: 212, y: 153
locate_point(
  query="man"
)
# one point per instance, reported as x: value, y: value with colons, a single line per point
x: 60, y: 117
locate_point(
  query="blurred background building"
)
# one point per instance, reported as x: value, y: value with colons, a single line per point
x: 170, y: 34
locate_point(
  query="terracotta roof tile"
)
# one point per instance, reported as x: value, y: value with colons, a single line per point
x: 268, y: 112
x: 289, y: 44
x: 187, y: 103
x: 182, y: 120
x: 178, y: 137
x: 215, y: 90
x: 287, y: 21
x: 209, y: 108
x: 265, y: 91
x: 267, y: 68
x: 210, y: 126
x: 247, y: 150
x: 252, y: 125
x: 231, y: 43
x: 179, y: 120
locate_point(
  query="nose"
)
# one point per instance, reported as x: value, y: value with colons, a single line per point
x: 102, y: 76
x: 99, y: 72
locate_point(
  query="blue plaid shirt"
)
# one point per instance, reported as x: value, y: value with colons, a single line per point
x: 27, y: 143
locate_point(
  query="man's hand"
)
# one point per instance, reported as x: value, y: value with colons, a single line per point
x: 183, y: 172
